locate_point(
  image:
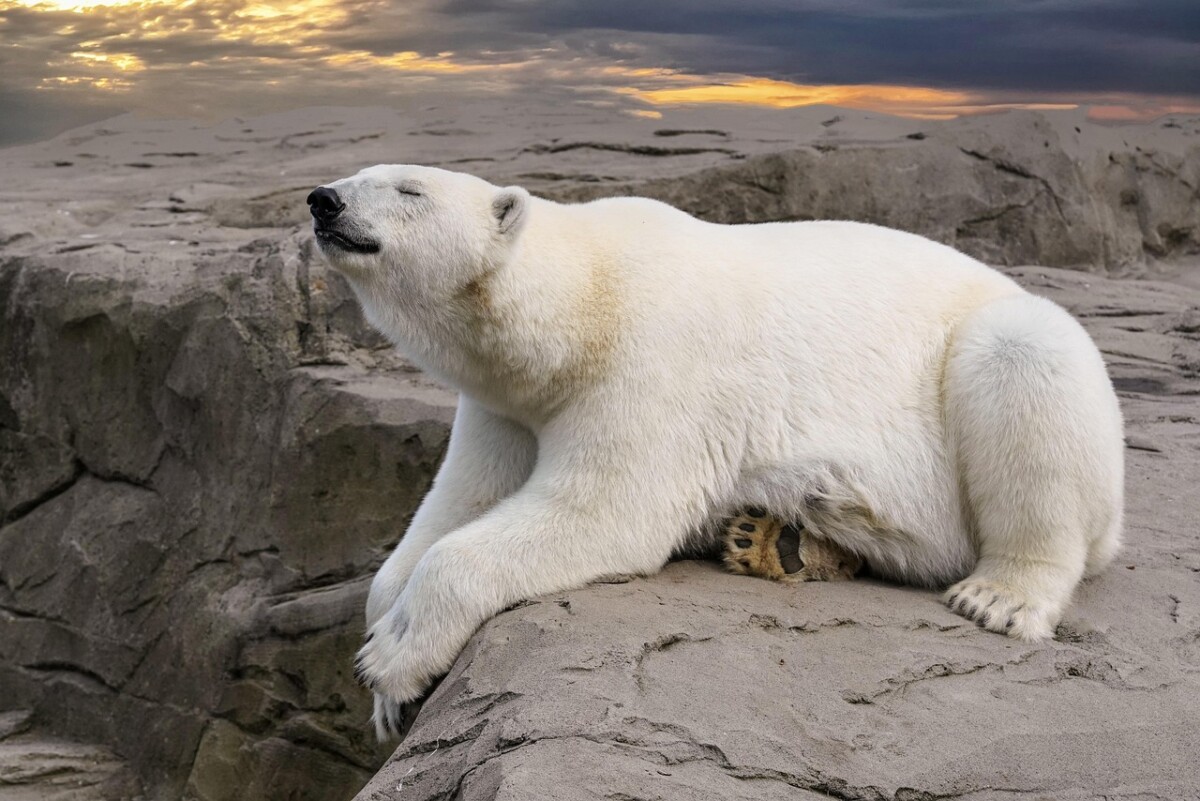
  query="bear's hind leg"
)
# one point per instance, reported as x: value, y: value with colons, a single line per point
x: 762, y: 545
x: 1039, y: 444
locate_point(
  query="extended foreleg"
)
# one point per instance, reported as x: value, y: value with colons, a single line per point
x: 569, y: 525
x: 488, y: 459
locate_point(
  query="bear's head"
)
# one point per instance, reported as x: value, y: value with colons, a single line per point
x: 416, y: 232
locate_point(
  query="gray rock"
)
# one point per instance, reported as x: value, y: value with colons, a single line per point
x: 200, y: 474
x: 40, y: 768
x: 17, y: 721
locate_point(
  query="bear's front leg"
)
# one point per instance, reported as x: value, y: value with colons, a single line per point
x: 488, y: 459
x: 557, y: 533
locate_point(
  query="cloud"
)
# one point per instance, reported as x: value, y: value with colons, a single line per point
x: 1045, y: 45
x: 67, y: 59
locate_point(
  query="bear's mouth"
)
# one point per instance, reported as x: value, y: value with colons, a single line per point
x: 328, y: 237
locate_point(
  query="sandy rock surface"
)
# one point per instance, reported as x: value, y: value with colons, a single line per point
x: 205, y: 454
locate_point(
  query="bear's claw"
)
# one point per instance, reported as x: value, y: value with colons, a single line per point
x: 997, y: 607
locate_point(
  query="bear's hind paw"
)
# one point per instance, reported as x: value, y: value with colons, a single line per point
x: 758, y: 544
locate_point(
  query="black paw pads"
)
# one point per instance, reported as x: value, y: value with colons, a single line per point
x: 754, y: 511
x: 788, y: 547
x: 742, y: 543
x: 747, y: 526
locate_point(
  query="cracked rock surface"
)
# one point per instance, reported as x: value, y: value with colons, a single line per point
x: 205, y: 454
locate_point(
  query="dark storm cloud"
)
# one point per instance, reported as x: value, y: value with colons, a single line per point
x: 1145, y: 46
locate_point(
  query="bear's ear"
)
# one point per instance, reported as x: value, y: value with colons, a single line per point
x: 508, y: 209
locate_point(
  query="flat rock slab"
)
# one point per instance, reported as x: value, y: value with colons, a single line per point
x: 38, y: 767
x: 695, y: 684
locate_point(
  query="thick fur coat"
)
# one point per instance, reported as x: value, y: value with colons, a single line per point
x: 630, y: 374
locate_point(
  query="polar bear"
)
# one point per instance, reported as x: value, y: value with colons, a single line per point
x: 629, y: 374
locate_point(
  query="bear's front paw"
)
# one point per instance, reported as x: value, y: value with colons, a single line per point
x: 392, y: 665
x: 758, y: 544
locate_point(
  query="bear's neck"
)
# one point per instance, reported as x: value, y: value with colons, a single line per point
x: 525, y: 336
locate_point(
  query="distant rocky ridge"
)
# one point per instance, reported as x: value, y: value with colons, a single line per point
x: 205, y: 453
x: 1000, y: 203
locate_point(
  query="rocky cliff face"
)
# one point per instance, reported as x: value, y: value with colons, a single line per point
x: 204, y: 455
x: 204, y: 459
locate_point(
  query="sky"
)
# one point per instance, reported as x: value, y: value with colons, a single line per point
x: 67, y: 62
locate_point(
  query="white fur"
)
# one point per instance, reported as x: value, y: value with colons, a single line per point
x: 630, y: 374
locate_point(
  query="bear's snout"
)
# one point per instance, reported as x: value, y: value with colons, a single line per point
x: 324, y: 204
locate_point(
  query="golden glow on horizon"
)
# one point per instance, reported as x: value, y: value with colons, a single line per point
x: 103, y: 84
x: 125, y: 62
x: 748, y: 90
x: 408, y: 62
x: 285, y: 23
x: 1140, y: 112
x: 87, y: 5
x: 105, y: 72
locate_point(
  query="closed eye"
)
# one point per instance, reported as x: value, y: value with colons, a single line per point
x: 409, y: 190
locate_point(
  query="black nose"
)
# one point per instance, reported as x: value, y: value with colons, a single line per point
x: 324, y: 203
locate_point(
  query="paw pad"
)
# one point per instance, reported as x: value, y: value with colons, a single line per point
x: 759, y: 544
x: 752, y: 546
x: 788, y: 548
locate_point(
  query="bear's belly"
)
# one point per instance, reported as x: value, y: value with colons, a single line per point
x: 899, y: 507
x: 865, y: 455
